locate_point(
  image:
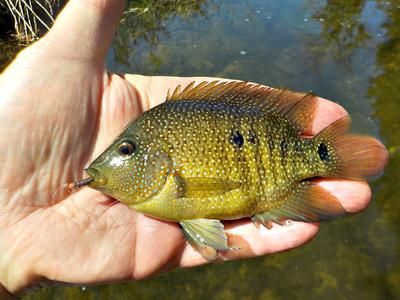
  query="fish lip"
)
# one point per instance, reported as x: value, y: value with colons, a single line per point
x: 98, y: 180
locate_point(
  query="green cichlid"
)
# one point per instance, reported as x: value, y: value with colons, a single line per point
x: 228, y: 150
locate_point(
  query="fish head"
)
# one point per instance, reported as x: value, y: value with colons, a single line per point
x: 132, y: 169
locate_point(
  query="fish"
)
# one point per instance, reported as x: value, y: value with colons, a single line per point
x: 220, y: 151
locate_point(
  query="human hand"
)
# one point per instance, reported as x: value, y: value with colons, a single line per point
x: 59, y: 110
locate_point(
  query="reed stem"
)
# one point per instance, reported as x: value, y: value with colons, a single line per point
x: 31, y: 16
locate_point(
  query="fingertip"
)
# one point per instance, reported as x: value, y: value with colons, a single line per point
x: 326, y: 113
x: 354, y: 196
x: 85, y: 28
x: 265, y: 241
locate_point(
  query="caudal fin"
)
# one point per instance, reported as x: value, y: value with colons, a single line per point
x: 350, y: 156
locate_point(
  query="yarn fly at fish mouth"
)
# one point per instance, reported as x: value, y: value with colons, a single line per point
x: 228, y: 150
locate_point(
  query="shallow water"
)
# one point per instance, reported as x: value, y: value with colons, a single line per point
x: 346, y: 51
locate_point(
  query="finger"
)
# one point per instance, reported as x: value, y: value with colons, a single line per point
x: 253, y: 241
x: 354, y: 196
x: 85, y: 28
x: 326, y: 113
x: 152, y: 90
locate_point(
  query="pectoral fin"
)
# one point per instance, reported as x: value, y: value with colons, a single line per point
x: 207, y: 236
x: 194, y: 187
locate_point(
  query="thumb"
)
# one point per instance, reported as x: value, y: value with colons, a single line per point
x: 85, y: 28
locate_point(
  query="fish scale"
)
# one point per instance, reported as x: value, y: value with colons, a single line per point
x: 227, y: 150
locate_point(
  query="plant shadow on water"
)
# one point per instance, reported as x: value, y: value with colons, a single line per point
x: 347, y: 51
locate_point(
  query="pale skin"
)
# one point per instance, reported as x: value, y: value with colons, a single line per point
x: 59, y: 109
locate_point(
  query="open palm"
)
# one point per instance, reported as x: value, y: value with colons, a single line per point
x: 59, y: 110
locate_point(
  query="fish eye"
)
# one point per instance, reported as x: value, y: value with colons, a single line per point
x: 126, y: 148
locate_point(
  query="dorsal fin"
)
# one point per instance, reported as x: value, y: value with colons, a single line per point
x: 297, y: 107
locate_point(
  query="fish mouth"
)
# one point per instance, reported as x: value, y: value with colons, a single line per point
x: 98, y: 180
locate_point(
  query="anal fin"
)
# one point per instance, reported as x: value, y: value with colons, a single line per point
x: 265, y: 219
x: 309, y: 203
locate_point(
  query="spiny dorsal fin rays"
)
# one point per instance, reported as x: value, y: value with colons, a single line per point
x: 176, y: 93
x: 236, y: 87
x: 187, y: 90
x: 302, y: 113
x: 233, y: 93
x: 200, y: 86
x: 297, y: 107
x: 217, y: 91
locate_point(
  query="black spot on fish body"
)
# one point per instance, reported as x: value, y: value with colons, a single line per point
x: 323, y: 152
x: 237, y: 138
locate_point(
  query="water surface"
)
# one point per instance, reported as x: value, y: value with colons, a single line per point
x: 346, y: 51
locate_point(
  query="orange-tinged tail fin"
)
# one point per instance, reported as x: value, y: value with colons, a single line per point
x: 350, y: 156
